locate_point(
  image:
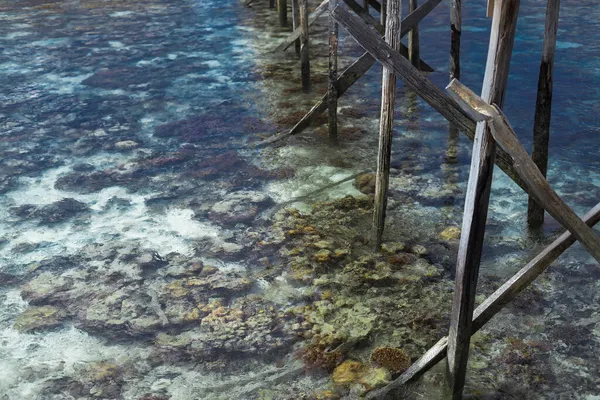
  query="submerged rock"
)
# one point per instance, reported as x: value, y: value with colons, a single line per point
x: 58, y: 211
x: 239, y: 207
x: 38, y: 318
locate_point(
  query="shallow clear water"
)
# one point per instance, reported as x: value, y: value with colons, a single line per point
x: 149, y: 251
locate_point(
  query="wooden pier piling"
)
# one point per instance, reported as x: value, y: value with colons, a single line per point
x: 386, y: 122
x: 296, y: 23
x: 282, y: 9
x: 504, y: 23
x: 414, y: 53
x: 332, y: 94
x: 304, y: 52
x: 543, y: 107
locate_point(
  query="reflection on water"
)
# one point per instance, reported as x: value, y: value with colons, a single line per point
x: 149, y: 251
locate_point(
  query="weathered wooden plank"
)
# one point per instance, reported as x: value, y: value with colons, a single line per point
x: 543, y: 107
x: 282, y: 10
x: 502, y: 36
x: 355, y: 71
x: 394, y: 61
x: 537, y: 185
x: 296, y: 23
x: 295, y: 35
x: 386, y: 122
x: 414, y: 53
x: 490, y: 9
x: 332, y: 94
x: 492, y: 305
x: 304, y: 51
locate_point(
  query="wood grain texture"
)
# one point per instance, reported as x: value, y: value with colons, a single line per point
x: 304, y: 51
x: 332, y: 94
x: 479, y: 185
x: 543, y: 107
x: 492, y: 305
x: 295, y: 35
x: 386, y: 122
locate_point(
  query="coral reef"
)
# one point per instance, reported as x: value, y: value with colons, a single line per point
x: 394, y: 360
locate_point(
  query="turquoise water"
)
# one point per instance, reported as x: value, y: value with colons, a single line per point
x: 149, y: 251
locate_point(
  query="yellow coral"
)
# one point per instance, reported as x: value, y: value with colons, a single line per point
x: 348, y: 372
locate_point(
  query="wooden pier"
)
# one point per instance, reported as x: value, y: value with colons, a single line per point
x: 480, y: 118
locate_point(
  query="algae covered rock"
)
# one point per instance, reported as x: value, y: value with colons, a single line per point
x: 450, y: 233
x: 348, y: 372
x: 37, y: 318
x: 374, y: 378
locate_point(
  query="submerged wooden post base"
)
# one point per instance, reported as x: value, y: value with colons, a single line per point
x: 332, y: 94
x: 304, y: 53
x: 491, y: 306
x: 477, y: 198
x: 543, y: 107
x: 386, y: 122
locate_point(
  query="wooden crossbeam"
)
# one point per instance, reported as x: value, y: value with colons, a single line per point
x: 355, y: 71
x: 295, y: 35
x: 492, y: 305
x: 418, y: 83
x: 538, y: 186
x: 393, y: 60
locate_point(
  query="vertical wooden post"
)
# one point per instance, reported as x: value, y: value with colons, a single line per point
x: 271, y: 3
x: 413, y: 39
x: 296, y: 23
x: 366, y: 5
x: 282, y: 8
x: 304, y: 53
x: 478, y: 192
x: 383, y: 13
x: 386, y: 122
x: 543, y: 107
x: 332, y: 94
x: 455, y: 31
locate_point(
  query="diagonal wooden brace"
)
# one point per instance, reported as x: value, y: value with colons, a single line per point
x: 491, y: 306
x: 355, y: 71
x: 295, y: 35
x: 537, y: 185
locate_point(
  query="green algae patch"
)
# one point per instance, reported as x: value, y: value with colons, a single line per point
x: 39, y: 318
